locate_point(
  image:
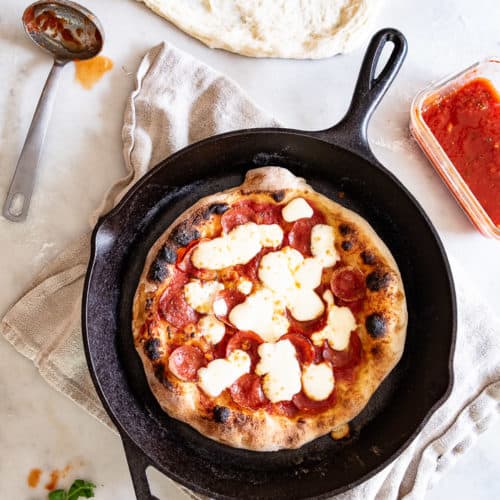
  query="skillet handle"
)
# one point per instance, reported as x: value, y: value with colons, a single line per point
x: 137, y: 464
x: 351, y: 131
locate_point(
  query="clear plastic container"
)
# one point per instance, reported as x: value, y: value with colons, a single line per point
x: 489, y: 69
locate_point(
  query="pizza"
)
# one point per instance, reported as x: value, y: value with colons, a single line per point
x: 267, y: 315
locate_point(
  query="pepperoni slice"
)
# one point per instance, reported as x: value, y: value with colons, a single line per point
x: 306, y: 327
x: 231, y: 298
x: 245, y: 341
x: 344, y: 362
x: 267, y: 213
x: 306, y: 405
x: 299, y: 236
x: 175, y: 310
x: 172, y: 304
x: 303, y: 347
x: 348, y: 283
x: 185, y: 361
x: 251, y: 268
x: 178, y: 280
x: 247, y: 392
x: 219, y: 351
x: 235, y: 216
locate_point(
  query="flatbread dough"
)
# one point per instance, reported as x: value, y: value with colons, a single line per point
x: 297, y: 29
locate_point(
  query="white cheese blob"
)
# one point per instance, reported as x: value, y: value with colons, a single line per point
x: 200, y: 294
x: 294, y: 279
x: 318, y: 381
x: 219, y: 307
x: 323, y: 245
x: 297, y: 209
x: 221, y: 373
x: 305, y: 305
x: 263, y: 312
x: 278, y: 363
x: 238, y: 246
x: 211, y: 328
x: 308, y: 274
x: 244, y: 286
x: 340, y: 323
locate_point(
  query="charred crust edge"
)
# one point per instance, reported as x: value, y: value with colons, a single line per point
x: 221, y: 414
x: 167, y: 254
x: 377, y: 280
x: 159, y: 371
x: 346, y: 245
x: 368, y: 257
x: 158, y: 271
x: 152, y: 349
x: 216, y: 208
x: 345, y: 229
x: 184, y: 234
x: 376, y: 325
x: 278, y: 196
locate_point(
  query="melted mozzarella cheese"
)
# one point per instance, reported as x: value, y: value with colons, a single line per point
x: 200, y: 294
x: 278, y: 363
x: 305, y: 305
x: 221, y: 373
x: 323, y: 245
x: 238, y: 246
x: 244, y: 286
x: 263, y: 312
x: 211, y: 328
x: 297, y: 209
x: 220, y: 307
x: 293, y: 278
x: 340, y: 323
x: 318, y: 381
x: 308, y: 274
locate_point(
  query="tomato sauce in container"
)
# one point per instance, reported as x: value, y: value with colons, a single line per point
x: 457, y: 124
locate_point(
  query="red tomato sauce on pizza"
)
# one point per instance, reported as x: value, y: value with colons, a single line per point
x: 467, y: 125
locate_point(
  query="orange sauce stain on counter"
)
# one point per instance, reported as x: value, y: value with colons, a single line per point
x: 88, y: 72
x: 55, y: 475
x: 34, y: 477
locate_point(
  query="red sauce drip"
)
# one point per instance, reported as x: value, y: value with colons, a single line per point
x: 467, y: 125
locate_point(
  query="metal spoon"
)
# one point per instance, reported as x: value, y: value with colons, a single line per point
x: 68, y: 31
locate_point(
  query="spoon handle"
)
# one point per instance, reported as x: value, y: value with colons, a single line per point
x: 21, y: 187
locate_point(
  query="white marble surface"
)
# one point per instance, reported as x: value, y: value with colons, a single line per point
x: 41, y: 428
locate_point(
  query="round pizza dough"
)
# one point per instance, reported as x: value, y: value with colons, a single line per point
x: 381, y: 324
x: 273, y: 28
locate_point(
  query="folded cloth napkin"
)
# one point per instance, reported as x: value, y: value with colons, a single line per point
x: 179, y: 100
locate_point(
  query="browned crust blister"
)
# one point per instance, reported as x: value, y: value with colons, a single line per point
x: 382, y: 333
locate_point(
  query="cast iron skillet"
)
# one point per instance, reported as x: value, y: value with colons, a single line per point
x: 338, y: 163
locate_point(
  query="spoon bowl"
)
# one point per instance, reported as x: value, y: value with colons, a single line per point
x: 65, y: 29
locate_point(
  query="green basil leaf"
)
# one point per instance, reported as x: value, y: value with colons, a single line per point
x: 81, y: 488
x: 58, y: 495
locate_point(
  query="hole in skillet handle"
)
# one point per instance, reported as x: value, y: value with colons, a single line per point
x: 137, y: 464
x: 372, y: 84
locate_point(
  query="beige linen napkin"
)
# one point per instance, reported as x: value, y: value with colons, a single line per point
x: 179, y: 100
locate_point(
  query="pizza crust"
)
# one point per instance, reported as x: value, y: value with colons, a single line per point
x: 266, y: 28
x: 259, y: 430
